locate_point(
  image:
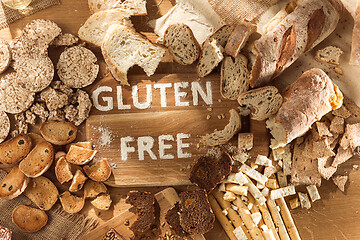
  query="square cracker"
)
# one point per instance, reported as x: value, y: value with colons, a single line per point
x: 337, y: 125
x: 323, y: 129
x: 342, y: 112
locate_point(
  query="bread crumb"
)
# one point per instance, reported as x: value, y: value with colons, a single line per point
x: 355, y: 167
x: 209, y: 109
x: 219, y: 116
x: 219, y: 100
x: 208, y: 117
x: 198, y: 145
x: 338, y: 71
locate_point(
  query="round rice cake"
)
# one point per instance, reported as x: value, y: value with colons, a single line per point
x: 5, y: 55
x: 14, y: 98
x: 77, y: 67
x: 4, y: 126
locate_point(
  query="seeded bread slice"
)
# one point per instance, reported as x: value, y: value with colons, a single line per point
x: 222, y: 136
x: 4, y: 126
x: 63, y: 171
x: 221, y: 36
x: 71, y: 203
x: 93, y: 188
x: 262, y: 102
x: 239, y: 37
x: 5, y: 55
x: 79, y: 155
x: 138, y: 7
x: 329, y: 54
x: 14, y: 150
x: 123, y: 48
x: 99, y: 171
x: 235, y: 77
x: 211, y: 55
x: 78, y: 181
x: 13, y: 184
x: 102, y: 202
x: 42, y: 192
x: 181, y: 43
x: 94, y: 29
x: 29, y: 219
x: 58, y: 133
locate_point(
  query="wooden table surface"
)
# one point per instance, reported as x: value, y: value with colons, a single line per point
x: 336, y: 216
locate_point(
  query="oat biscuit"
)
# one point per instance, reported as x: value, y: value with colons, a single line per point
x: 5, y: 55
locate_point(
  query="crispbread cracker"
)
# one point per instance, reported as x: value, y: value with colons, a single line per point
x: 29, y: 219
x: 4, y: 126
x: 324, y: 168
x: 5, y: 55
x: 77, y: 67
x: 340, y: 182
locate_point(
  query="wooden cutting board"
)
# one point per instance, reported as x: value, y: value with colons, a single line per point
x: 151, y: 131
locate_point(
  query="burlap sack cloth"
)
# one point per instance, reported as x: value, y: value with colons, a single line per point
x: 8, y: 15
x: 60, y: 226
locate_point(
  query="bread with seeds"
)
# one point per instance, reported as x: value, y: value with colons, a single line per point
x: 14, y: 150
x: 66, y: 39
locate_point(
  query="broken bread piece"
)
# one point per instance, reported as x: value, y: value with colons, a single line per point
x: 181, y: 43
x: 15, y: 149
x: 245, y: 141
x: 99, y: 171
x: 123, y: 48
x: 211, y: 55
x: 208, y: 171
x: 79, y: 155
x: 222, y: 136
x: 137, y: 7
x: 78, y: 181
x: 172, y: 217
x: 340, y: 182
x: 262, y: 102
x: 29, y: 219
x: 63, y: 170
x: 42, y: 192
x: 58, y: 133
x: 13, y: 184
x: 329, y: 54
x: 102, y: 202
x: 239, y: 37
x: 93, y: 188
x: 71, y: 203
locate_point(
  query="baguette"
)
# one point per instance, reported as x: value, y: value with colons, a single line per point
x: 309, y: 24
x: 305, y: 101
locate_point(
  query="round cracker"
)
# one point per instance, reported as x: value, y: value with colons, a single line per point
x: 14, y: 98
x: 77, y: 67
x: 4, y: 126
x: 5, y: 55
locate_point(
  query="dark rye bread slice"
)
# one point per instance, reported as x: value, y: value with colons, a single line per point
x: 181, y: 43
x: 208, y: 171
x: 172, y: 217
x: 144, y: 204
x: 14, y: 150
x: 196, y: 216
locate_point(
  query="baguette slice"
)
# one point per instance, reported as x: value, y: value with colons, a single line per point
x: 239, y: 37
x: 78, y: 181
x: 235, y: 77
x: 99, y: 171
x: 71, y: 203
x: 38, y: 161
x: 58, y: 133
x: 102, y: 202
x: 13, y: 184
x: 123, y: 48
x: 138, y: 7
x: 211, y: 55
x: 42, y: 192
x: 221, y: 36
x: 63, y: 170
x: 94, y: 29
x: 79, y: 155
x: 262, y: 102
x: 222, y: 136
x: 14, y: 150
x: 29, y: 219
x: 93, y: 188
x: 329, y: 54
x: 181, y: 43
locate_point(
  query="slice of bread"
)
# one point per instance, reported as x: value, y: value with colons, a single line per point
x: 172, y: 217
x: 221, y: 36
x: 71, y: 203
x: 102, y: 202
x: 94, y: 29
x: 222, y: 136
x: 239, y: 37
x: 329, y: 54
x: 29, y: 219
x: 13, y: 184
x: 138, y: 7
x: 208, y: 171
x: 63, y: 170
x: 79, y: 155
x: 262, y: 102
x: 100, y: 171
x: 235, y: 77
x: 42, y: 192
x: 181, y: 43
x: 196, y: 216
x: 123, y: 48
x: 14, y: 150
x: 211, y: 55
x: 58, y: 133
x: 93, y: 188
x: 87, y: 145
x: 38, y: 161
x: 78, y: 181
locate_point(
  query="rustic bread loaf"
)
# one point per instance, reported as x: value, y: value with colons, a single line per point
x: 79, y: 155
x: 99, y: 171
x: 63, y: 170
x: 13, y: 184
x: 102, y: 202
x: 58, y: 133
x: 172, y: 217
x: 329, y: 54
x: 122, y: 42
x: 5, y: 55
x: 93, y: 188
x: 14, y: 150
x: 239, y: 37
x: 310, y: 23
x: 94, y: 29
x: 235, y: 77
x: 196, y: 216
x: 305, y: 101
x: 71, y: 203
x: 78, y: 181
x: 138, y: 7
x: 222, y: 136
x: 29, y: 219
x: 262, y: 102
x: 181, y: 43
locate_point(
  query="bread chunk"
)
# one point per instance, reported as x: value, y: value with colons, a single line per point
x: 79, y: 155
x: 329, y: 54
x: 340, y: 182
x: 239, y: 37
x: 102, y: 202
x: 100, y: 171
x: 93, y: 188
x: 71, y: 203
x: 173, y: 219
x: 78, y: 181
x: 13, y: 184
x: 63, y: 170
x: 29, y: 219
x: 210, y: 56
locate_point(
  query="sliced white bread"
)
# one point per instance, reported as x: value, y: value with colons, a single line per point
x: 29, y: 219
x: 79, y: 155
x: 138, y: 7
x: 235, y: 77
x: 63, y: 170
x: 94, y: 29
x: 78, y: 181
x: 102, y: 202
x: 222, y: 136
x: 123, y: 48
x: 211, y: 55
x: 58, y: 133
x: 329, y: 54
x: 262, y: 102
x: 13, y: 184
x: 181, y: 43
x: 93, y: 188
x: 71, y: 203
x: 99, y: 171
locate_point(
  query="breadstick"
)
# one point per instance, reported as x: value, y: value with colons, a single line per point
x: 255, y: 208
x: 288, y: 220
x: 278, y: 220
x: 249, y: 223
x: 239, y: 190
x: 220, y: 216
x: 268, y: 220
x: 232, y: 214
